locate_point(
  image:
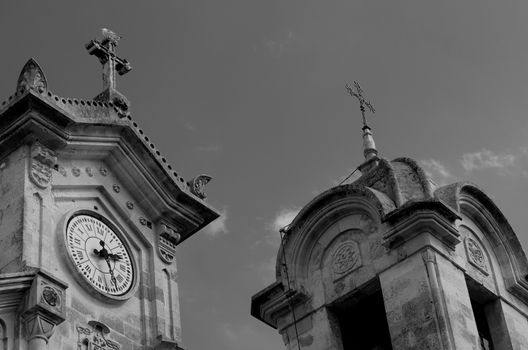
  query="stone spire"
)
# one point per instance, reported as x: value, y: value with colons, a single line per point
x: 105, y: 51
x: 369, y: 146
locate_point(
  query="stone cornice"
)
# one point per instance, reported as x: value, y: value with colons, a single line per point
x: 274, y: 301
x: 416, y: 218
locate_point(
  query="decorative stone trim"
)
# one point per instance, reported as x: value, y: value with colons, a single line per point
x: 32, y: 77
x: 76, y: 171
x: 41, y: 163
x: 43, y: 308
x: 425, y: 221
x: 167, y: 241
x: 95, y: 337
x: 89, y: 172
x: 475, y: 255
x: 197, y: 185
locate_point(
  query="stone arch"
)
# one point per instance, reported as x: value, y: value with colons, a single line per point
x: 470, y: 200
x: 362, y: 210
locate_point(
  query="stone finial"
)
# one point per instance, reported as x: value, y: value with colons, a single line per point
x: 197, y: 185
x: 32, y: 77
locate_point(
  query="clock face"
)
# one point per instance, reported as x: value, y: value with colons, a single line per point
x: 99, y: 255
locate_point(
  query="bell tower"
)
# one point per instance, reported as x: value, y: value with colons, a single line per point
x: 91, y: 216
x: 393, y: 261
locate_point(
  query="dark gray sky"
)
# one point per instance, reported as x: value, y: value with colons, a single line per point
x: 252, y: 93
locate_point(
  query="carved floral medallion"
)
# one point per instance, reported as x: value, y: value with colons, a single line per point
x: 50, y: 296
x: 346, y: 258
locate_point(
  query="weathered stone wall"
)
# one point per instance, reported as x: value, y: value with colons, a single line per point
x: 12, y: 180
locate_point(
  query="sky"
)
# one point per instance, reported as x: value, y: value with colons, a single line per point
x: 252, y: 93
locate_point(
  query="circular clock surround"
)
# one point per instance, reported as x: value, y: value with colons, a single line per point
x: 99, y: 254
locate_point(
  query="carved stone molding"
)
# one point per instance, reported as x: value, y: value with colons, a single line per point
x: 44, y: 307
x: 422, y: 218
x: 38, y: 326
x: 197, y: 185
x: 41, y: 164
x: 475, y: 255
x: 32, y: 77
x: 94, y: 337
x: 167, y: 241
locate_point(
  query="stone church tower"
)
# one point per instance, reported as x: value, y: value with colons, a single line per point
x: 91, y: 215
x: 392, y: 261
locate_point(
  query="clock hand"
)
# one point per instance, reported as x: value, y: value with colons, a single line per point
x: 115, y: 257
x: 112, y: 277
x: 102, y: 252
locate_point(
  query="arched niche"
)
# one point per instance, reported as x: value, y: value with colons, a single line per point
x: 340, y: 233
x: 494, y: 236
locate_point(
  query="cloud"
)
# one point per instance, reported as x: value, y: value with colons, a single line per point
x: 437, y: 171
x: 239, y: 335
x: 271, y: 236
x: 210, y: 148
x: 218, y: 226
x: 278, y: 46
x: 486, y: 159
x: 189, y: 126
x: 283, y: 218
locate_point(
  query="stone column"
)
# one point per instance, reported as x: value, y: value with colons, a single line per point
x: 43, y: 310
x: 428, y: 305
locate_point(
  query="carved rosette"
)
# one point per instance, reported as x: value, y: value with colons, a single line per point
x: 475, y: 255
x: 345, y: 258
x: 94, y: 336
x: 197, y: 185
x: 52, y: 297
x: 168, y: 239
x: 42, y: 161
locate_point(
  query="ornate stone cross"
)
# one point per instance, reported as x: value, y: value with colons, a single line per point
x: 105, y: 50
x: 358, y: 93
